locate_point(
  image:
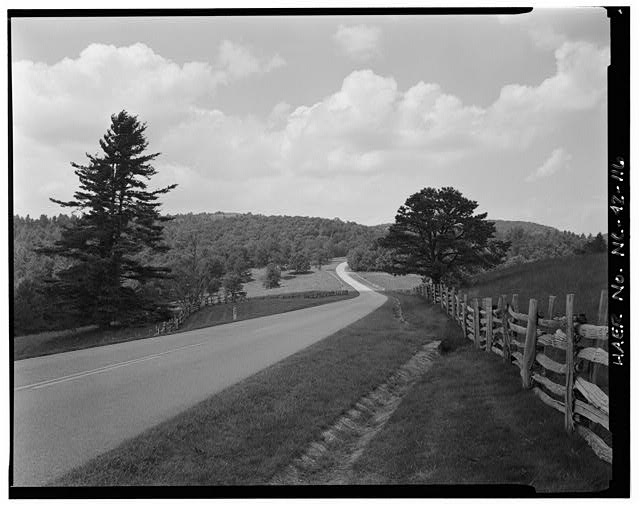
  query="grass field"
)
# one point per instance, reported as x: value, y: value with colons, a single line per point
x: 90, y: 336
x: 317, y: 279
x: 466, y: 421
x: 390, y: 282
x: 584, y: 275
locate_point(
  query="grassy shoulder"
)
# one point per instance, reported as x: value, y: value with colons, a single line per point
x: 250, y: 431
x: 583, y: 275
x: 54, y: 343
x: 468, y: 421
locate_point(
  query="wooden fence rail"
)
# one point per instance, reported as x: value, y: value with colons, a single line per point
x: 562, y: 360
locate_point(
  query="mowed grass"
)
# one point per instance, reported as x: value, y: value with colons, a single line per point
x: 90, y: 336
x: 583, y: 275
x: 252, y: 430
x: 387, y: 281
x: 468, y: 421
x: 324, y: 279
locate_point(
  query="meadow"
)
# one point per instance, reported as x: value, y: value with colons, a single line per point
x: 324, y: 279
x: 583, y: 275
x: 386, y: 281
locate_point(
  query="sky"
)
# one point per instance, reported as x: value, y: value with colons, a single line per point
x: 332, y: 116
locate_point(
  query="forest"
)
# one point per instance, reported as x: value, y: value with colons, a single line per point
x: 211, y: 252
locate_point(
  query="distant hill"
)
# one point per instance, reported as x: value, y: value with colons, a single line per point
x: 504, y: 226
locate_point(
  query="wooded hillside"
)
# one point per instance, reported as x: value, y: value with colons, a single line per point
x: 224, y: 243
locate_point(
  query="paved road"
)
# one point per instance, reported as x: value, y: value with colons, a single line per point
x: 73, y: 406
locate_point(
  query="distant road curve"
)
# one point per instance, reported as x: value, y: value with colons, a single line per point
x: 71, y: 407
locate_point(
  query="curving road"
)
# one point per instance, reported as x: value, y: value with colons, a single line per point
x: 73, y: 406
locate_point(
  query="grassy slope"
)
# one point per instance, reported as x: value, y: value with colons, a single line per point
x: 53, y: 343
x: 390, y: 282
x: 468, y: 421
x: 584, y: 275
x: 250, y: 431
x: 316, y: 279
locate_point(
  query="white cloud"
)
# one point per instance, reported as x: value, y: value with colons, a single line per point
x: 559, y: 160
x: 368, y: 127
x: 238, y: 61
x: 360, y: 42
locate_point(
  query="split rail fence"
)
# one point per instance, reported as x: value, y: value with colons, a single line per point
x: 174, y: 323
x: 564, y: 360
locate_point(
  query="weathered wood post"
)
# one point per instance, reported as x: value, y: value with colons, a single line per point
x: 530, y: 344
x: 552, y: 300
x: 506, y: 336
x: 447, y: 305
x: 464, y: 313
x: 603, y: 307
x: 569, y: 364
x: 514, y: 303
x: 602, y: 321
x: 476, y: 323
x: 488, y: 303
x: 451, y: 300
x: 445, y: 301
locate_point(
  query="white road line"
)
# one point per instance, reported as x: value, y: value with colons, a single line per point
x: 102, y: 369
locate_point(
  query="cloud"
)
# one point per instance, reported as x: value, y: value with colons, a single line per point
x: 558, y: 160
x: 549, y: 28
x: 238, y: 61
x: 366, y: 129
x: 360, y: 42
x: 53, y: 103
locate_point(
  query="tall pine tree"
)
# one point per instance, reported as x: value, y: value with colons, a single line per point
x: 118, y: 227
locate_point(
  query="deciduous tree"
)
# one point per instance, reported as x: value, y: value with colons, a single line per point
x: 437, y: 235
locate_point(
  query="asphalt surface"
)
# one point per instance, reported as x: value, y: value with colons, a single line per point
x: 73, y: 406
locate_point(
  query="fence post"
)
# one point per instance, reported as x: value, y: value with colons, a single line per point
x: 447, y: 292
x: 530, y: 344
x: 569, y: 363
x: 451, y: 299
x: 476, y: 323
x: 488, y: 303
x: 552, y: 300
x: 514, y: 303
x: 506, y: 337
x: 602, y: 308
x: 602, y: 321
x: 464, y: 313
